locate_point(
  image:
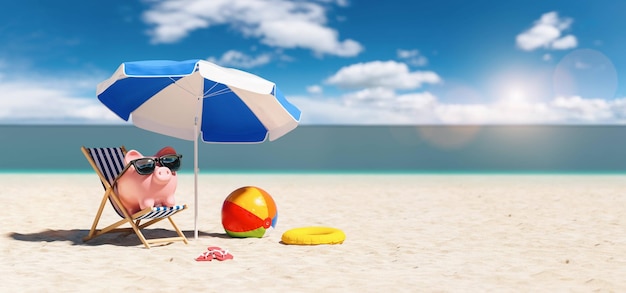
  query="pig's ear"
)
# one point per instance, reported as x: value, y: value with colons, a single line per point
x: 168, y: 150
x: 132, y: 155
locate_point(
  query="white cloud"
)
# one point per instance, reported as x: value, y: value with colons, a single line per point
x: 342, y: 3
x: 314, y: 89
x: 62, y: 101
x: 52, y: 100
x: 405, y: 54
x: 320, y: 39
x: 566, y: 42
x: 233, y: 58
x: 581, y: 65
x: 378, y: 97
x: 278, y: 23
x: 547, y: 57
x: 590, y: 110
x: 412, y: 57
x: 546, y: 33
x: 387, y: 93
x: 380, y: 107
x: 387, y: 74
x: 324, y: 111
x: 70, y: 100
x: 421, y: 101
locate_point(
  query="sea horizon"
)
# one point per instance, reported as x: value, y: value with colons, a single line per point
x: 339, y: 149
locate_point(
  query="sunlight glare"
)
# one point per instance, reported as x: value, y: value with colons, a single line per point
x: 516, y: 94
x: 517, y: 85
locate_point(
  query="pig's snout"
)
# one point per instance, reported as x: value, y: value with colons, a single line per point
x: 162, y: 175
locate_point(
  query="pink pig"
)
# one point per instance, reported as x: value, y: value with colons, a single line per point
x: 138, y: 192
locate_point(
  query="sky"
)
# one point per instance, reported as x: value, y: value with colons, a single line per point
x: 341, y: 62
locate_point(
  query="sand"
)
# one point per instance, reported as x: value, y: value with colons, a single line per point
x: 405, y: 233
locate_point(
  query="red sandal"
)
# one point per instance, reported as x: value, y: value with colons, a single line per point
x: 206, y: 256
x: 219, y: 254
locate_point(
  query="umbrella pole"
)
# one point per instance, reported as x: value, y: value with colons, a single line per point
x: 195, y: 180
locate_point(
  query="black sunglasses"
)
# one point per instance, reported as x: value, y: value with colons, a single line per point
x: 145, y: 166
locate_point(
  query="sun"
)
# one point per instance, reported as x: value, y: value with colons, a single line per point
x: 518, y: 85
x: 519, y: 91
x: 516, y: 94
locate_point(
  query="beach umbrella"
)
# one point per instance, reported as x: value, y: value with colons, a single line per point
x: 196, y: 99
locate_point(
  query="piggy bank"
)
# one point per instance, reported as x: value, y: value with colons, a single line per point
x: 153, y: 189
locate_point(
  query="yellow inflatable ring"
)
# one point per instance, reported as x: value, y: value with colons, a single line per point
x: 313, y: 236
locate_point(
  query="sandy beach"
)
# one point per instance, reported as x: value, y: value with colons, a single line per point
x: 405, y: 233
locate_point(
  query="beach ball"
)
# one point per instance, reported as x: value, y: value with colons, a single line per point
x: 249, y: 212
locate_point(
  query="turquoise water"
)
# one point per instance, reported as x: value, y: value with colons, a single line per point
x: 365, y: 173
x: 340, y: 149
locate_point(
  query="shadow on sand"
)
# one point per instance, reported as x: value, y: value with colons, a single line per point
x: 120, y: 239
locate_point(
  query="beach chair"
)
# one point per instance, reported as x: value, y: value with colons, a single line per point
x: 108, y: 163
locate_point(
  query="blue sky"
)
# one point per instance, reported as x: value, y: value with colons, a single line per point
x: 339, y: 61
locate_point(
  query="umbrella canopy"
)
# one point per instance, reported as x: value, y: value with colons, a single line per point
x: 195, y: 98
x: 172, y: 98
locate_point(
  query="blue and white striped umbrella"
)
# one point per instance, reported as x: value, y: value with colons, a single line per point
x: 197, y: 99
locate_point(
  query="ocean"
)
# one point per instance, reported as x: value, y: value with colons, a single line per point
x: 423, y: 149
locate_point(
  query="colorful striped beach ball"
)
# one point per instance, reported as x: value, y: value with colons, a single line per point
x: 249, y: 212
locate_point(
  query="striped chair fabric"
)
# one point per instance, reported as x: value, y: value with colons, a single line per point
x: 110, y: 161
x: 161, y: 212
